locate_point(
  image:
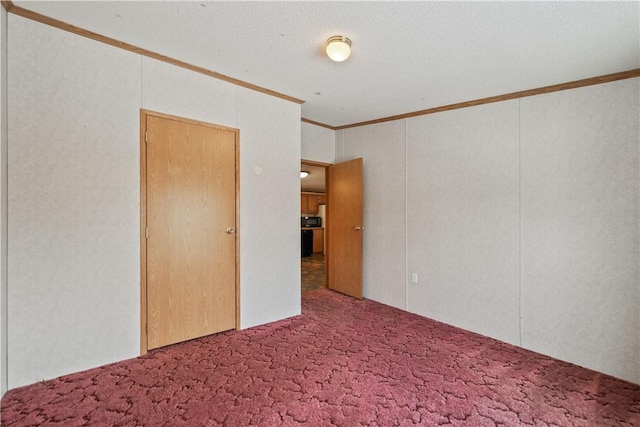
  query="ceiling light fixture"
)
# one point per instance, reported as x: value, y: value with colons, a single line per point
x: 304, y: 174
x: 338, y: 48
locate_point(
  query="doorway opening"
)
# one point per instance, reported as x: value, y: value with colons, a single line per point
x: 342, y: 231
x: 313, y: 199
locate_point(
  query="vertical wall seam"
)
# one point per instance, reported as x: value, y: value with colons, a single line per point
x: 520, y: 222
x: 406, y: 215
x: 4, y: 204
x: 141, y: 81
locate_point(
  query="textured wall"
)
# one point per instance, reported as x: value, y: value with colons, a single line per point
x: 74, y: 262
x: 579, y: 180
x: 269, y: 137
x: 173, y: 90
x: 270, y: 243
x: 3, y: 202
x: 522, y: 220
x: 384, y: 260
x: 318, y: 143
x: 462, y: 218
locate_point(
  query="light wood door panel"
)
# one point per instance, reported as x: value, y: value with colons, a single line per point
x: 190, y: 203
x: 344, y: 227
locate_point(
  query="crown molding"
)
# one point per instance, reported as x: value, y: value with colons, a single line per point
x: 508, y: 96
x: 313, y: 122
x: 25, y: 13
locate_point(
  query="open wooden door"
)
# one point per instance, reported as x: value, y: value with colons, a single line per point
x: 344, y: 228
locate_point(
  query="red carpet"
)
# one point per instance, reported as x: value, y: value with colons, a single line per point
x: 342, y: 362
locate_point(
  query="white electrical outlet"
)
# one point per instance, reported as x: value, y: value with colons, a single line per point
x: 414, y: 277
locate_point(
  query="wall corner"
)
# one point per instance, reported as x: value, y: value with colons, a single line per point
x: 3, y: 201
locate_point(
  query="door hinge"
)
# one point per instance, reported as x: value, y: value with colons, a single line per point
x: 146, y: 136
x: 146, y: 232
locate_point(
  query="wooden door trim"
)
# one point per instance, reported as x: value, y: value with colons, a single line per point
x: 143, y: 228
x: 143, y: 216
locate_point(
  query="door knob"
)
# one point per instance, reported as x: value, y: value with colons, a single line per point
x: 230, y: 230
x: 356, y: 228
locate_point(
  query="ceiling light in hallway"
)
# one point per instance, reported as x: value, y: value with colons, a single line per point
x: 338, y: 48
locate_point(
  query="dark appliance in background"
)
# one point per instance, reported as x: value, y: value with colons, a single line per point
x: 310, y: 221
x: 307, y: 242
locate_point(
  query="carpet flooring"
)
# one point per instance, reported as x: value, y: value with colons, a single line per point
x: 342, y: 362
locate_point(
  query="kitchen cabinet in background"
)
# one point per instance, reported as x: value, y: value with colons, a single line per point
x: 309, y: 202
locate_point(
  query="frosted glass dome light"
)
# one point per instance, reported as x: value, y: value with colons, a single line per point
x: 338, y: 48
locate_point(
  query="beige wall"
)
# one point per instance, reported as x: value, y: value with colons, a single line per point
x: 579, y: 226
x: 462, y: 218
x: 318, y: 143
x: 3, y: 201
x: 519, y: 218
x: 384, y: 201
x: 74, y: 258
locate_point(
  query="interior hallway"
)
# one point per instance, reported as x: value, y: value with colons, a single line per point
x: 313, y: 272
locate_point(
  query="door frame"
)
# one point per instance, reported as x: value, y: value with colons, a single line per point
x: 143, y: 216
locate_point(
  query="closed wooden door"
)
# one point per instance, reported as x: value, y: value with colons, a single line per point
x: 191, y: 221
x: 344, y: 227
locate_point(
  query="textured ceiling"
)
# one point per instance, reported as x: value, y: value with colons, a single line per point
x: 315, y: 182
x: 407, y: 56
